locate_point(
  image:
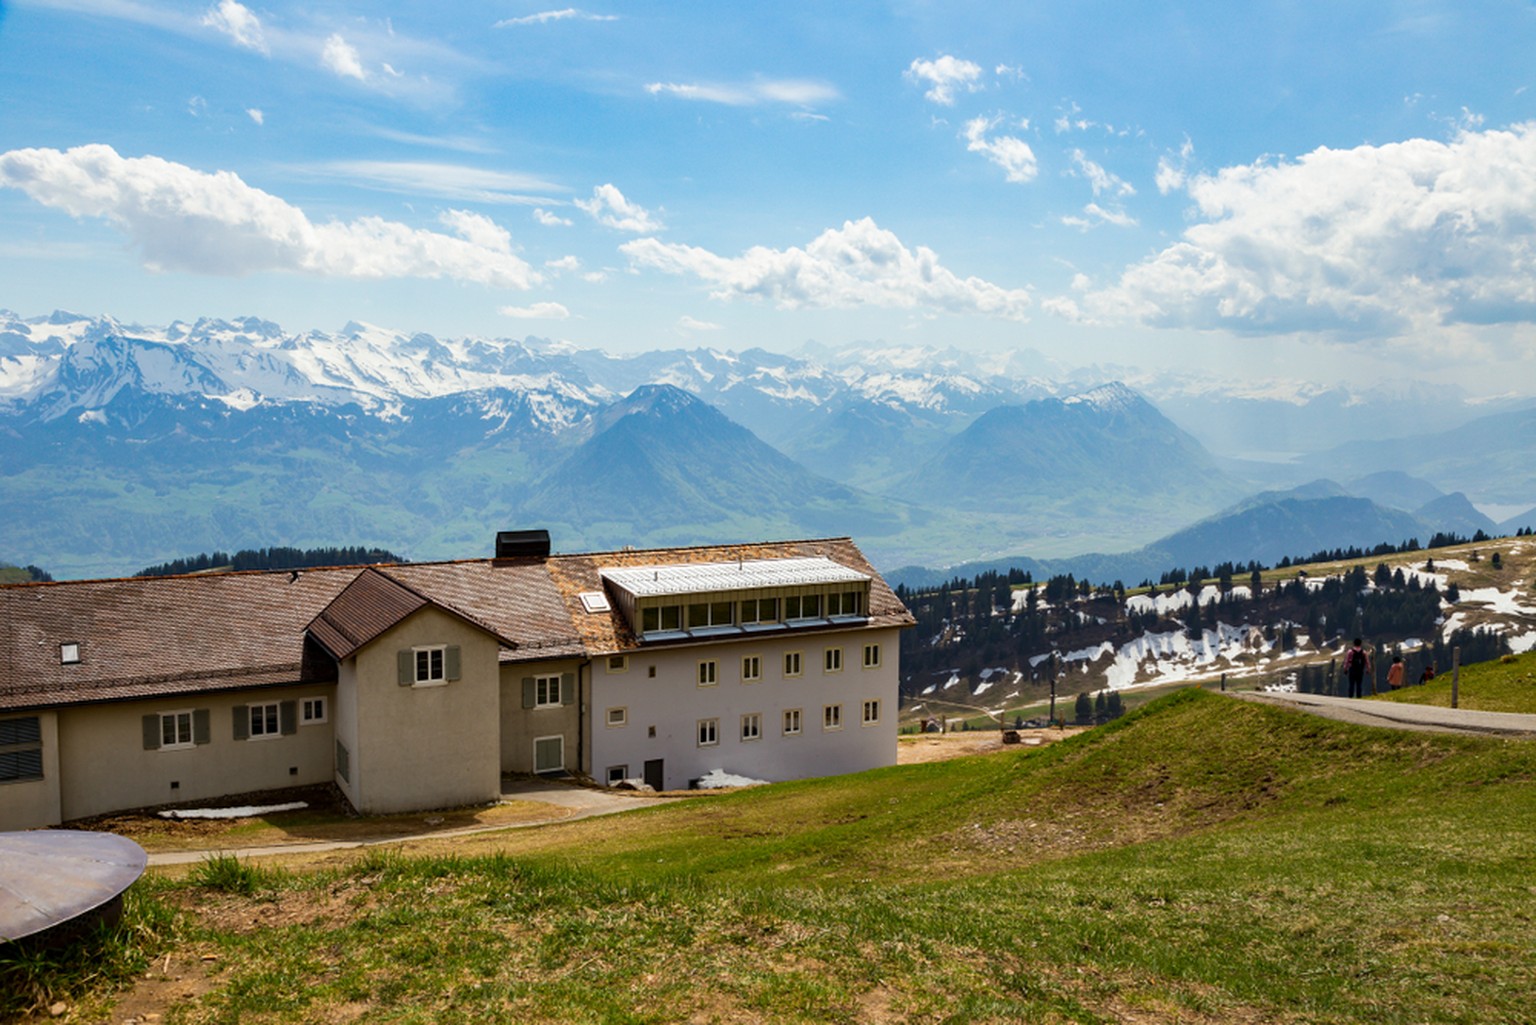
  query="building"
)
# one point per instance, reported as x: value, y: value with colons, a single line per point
x: 419, y: 686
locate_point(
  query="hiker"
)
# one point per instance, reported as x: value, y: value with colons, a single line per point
x: 1427, y: 675
x: 1395, y: 672
x: 1356, y: 664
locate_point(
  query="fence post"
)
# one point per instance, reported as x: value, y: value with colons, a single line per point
x: 1455, y: 675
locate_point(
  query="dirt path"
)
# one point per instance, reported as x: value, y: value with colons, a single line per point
x: 1391, y: 714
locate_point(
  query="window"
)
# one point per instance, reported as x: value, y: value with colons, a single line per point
x: 312, y: 711
x: 843, y: 603
x: 831, y: 717
x: 69, y: 653
x: 430, y: 668
x: 661, y: 617
x: 791, y: 721
x: 810, y: 606
x: 709, y: 732
x: 792, y: 607
x: 708, y: 670
x: 791, y: 663
x: 751, y: 668
x: 21, y: 749
x: 617, y: 774
x: 263, y: 720
x: 618, y: 663
x: 760, y: 610
x: 546, y: 690
x: 549, y: 753
x: 835, y: 604
x: 871, y: 713
x: 618, y: 717
x: 871, y: 656
x: 752, y: 726
x: 715, y: 613
x: 832, y: 660
x: 183, y: 728
x: 175, y: 730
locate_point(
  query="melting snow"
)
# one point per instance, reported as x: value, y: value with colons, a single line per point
x: 244, y: 811
x: 715, y: 779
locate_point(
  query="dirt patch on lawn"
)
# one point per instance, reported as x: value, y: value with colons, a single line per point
x: 937, y: 747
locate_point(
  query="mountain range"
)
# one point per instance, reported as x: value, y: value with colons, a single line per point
x: 122, y: 445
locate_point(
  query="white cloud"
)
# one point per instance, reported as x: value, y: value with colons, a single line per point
x: 688, y: 323
x: 564, y: 263
x: 859, y: 264
x: 182, y: 219
x: 1096, y: 214
x: 545, y: 17
x: 1373, y: 241
x: 550, y: 220
x: 944, y: 76
x: 794, y: 91
x: 1170, y: 175
x: 1009, y: 152
x: 448, y: 181
x: 255, y: 114
x: 197, y: 106
x: 609, y: 208
x: 538, y: 311
x: 237, y: 22
x: 342, y: 58
x: 1100, y: 180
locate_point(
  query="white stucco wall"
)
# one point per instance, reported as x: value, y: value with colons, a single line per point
x: 671, y: 703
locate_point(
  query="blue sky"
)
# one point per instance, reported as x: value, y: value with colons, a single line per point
x: 1301, y: 189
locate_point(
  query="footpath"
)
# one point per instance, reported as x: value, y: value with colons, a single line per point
x: 576, y: 802
x: 1399, y: 716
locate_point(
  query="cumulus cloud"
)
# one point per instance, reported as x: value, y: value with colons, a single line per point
x: 239, y: 23
x: 545, y: 17
x: 1100, y: 180
x: 688, y: 323
x: 342, y: 58
x: 550, y: 220
x: 859, y: 264
x: 1009, y: 152
x: 538, y: 311
x: 944, y: 76
x: 182, y: 219
x: 609, y: 208
x: 1370, y: 241
x: 1172, y: 175
x: 794, y: 91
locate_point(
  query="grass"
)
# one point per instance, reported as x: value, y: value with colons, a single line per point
x: 1201, y: 860
x: 1505, y: 685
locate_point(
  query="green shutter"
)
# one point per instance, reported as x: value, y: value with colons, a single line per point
x: 151, y: 733
x: 529, y: 697
x: 202, y: 728
x: 451, y: 662
x: 407, y: 663
x: 242, y: 722
x: 567, y: 688
x: 288, y: 716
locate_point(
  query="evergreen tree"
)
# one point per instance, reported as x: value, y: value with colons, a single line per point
x: 1083, y: 712
x: 1116, y: 705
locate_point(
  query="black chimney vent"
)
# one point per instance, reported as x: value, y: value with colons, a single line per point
x: 522, y: 544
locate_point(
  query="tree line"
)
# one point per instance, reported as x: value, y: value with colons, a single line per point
x: 277, y: 557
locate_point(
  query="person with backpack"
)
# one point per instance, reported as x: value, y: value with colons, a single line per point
x: 1356, y: 664
x: 1395, y: 672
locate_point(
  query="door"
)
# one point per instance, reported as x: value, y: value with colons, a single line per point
x: 654, y: 776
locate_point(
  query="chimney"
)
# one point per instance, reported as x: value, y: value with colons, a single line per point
x: 522, y: 544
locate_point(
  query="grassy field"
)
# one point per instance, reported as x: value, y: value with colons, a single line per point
x: 1201, y: 860
x: 1507, y: 685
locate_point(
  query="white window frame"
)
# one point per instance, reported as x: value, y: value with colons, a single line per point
x: 832, y: 660
x: 264, y: 719
x: 307, y: 708
x: 618, y: 663
x: 709, y: 672
x: 708, y: 732
x: 751, y: 668
x: 871, y: 656
x: 831, y: 717
x: 793, y: 718
x: 539, y: 740
x: 752, y: 726
x: 872, y: 705
x: 615, y: 721
x: 176, y: 717
x: 798, y: 661
x: 546, y: 691
x: 617, y: 774
x: 429, y: 679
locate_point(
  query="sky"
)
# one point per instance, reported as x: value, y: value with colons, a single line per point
x: 1311, y: 190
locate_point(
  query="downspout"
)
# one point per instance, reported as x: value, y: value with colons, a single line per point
x: 582, y: 696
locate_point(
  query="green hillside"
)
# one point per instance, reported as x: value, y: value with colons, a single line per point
x: 1201, y: 860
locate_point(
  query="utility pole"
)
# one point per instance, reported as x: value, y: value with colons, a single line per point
x: 1455, y: 674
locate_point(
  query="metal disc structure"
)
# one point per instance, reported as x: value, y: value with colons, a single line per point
x: 55, y: 878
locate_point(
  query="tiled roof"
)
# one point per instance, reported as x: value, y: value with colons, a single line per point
x: 163, y: 636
